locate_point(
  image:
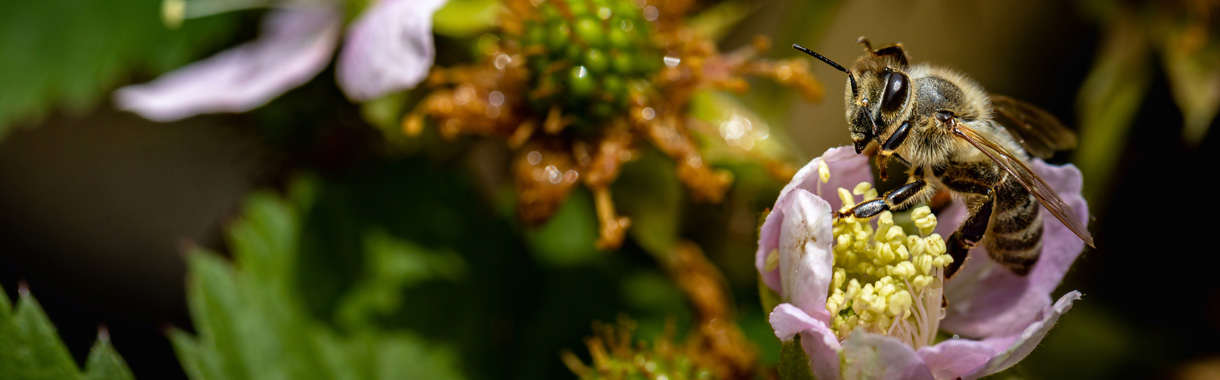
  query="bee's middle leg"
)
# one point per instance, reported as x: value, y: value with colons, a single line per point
x: 969, y: 234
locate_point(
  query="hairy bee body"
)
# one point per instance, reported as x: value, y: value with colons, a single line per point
x: 953, y: 135
x: 1013, y: 235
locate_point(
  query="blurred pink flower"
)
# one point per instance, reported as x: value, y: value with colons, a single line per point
x: 1001, y: 317
x: 388, y: 48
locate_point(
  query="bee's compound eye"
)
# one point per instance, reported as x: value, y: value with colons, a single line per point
x: 895, y: 92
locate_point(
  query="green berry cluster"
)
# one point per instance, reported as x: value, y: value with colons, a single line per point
x: 587, y: 55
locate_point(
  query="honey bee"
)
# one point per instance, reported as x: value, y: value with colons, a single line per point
x: 952, y: 134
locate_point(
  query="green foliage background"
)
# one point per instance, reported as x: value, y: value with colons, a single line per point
x: 369, y: 255
x: 70, y: 54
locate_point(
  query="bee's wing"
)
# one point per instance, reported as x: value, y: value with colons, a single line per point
x: 1039, y: 132
x: 1016, y: 167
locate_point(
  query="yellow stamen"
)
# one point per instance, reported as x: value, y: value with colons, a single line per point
x: 772, y: 260
x: 823, y: 171
x: 172, y: 13
x: 886, y: 281
x: 846, y: 197
x: 861, y: 188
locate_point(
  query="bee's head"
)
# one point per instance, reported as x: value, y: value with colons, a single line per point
x: 875, y: 101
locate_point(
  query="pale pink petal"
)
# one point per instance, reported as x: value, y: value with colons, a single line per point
x: 874, y: 356
x: 388, y: 49
x: 768, y: 241
x: 1014, y: 348
x: 954, y: 358
x: 820, y: 344
x: 987, y: 300
x: 805, y: 257
x: 846, y: 170
x: 789, y: 320
x: 294, y: 46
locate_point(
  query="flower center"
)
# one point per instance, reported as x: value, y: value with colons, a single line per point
x: 886, y: 281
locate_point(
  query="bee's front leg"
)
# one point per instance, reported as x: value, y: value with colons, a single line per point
x: 889, y: 146
x: 896, y: 199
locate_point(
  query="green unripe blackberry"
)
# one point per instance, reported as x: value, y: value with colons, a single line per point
x: 596, y: 61
x: 582, y: 55
x: 580, y: 82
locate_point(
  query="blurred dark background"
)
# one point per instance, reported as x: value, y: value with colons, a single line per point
x: 96, y: 203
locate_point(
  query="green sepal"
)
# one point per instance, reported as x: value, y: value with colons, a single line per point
x: 793, y: 362
x: 770, y: 299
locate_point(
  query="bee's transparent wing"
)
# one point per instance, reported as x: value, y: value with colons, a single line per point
x: 1016, y: 167
x: 1039, y: 132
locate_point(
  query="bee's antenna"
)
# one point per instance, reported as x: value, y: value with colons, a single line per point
x: 850, y: 77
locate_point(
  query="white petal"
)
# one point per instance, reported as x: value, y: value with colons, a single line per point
x: 874, y: 356
x: 294, y: 46
x: 389, y: 48
x: 846, y: 170
x: 805, y: 257
x: 954, y: 358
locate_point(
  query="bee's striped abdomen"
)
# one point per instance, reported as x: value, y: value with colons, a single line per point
x: 1014, y: 235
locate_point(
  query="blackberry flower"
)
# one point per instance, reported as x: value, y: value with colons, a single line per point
x: 866, y: 299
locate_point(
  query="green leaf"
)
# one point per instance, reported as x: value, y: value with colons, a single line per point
x: 70, y: 54
x: 1108, y: 101
x: 197, y: 361
x: 392, y: 264
x: 253, y: 324
x: 1194, y: 74
x: 404, y: 353
x: 104, y: 363
x: 215, y: 309
x: 30, y: 348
